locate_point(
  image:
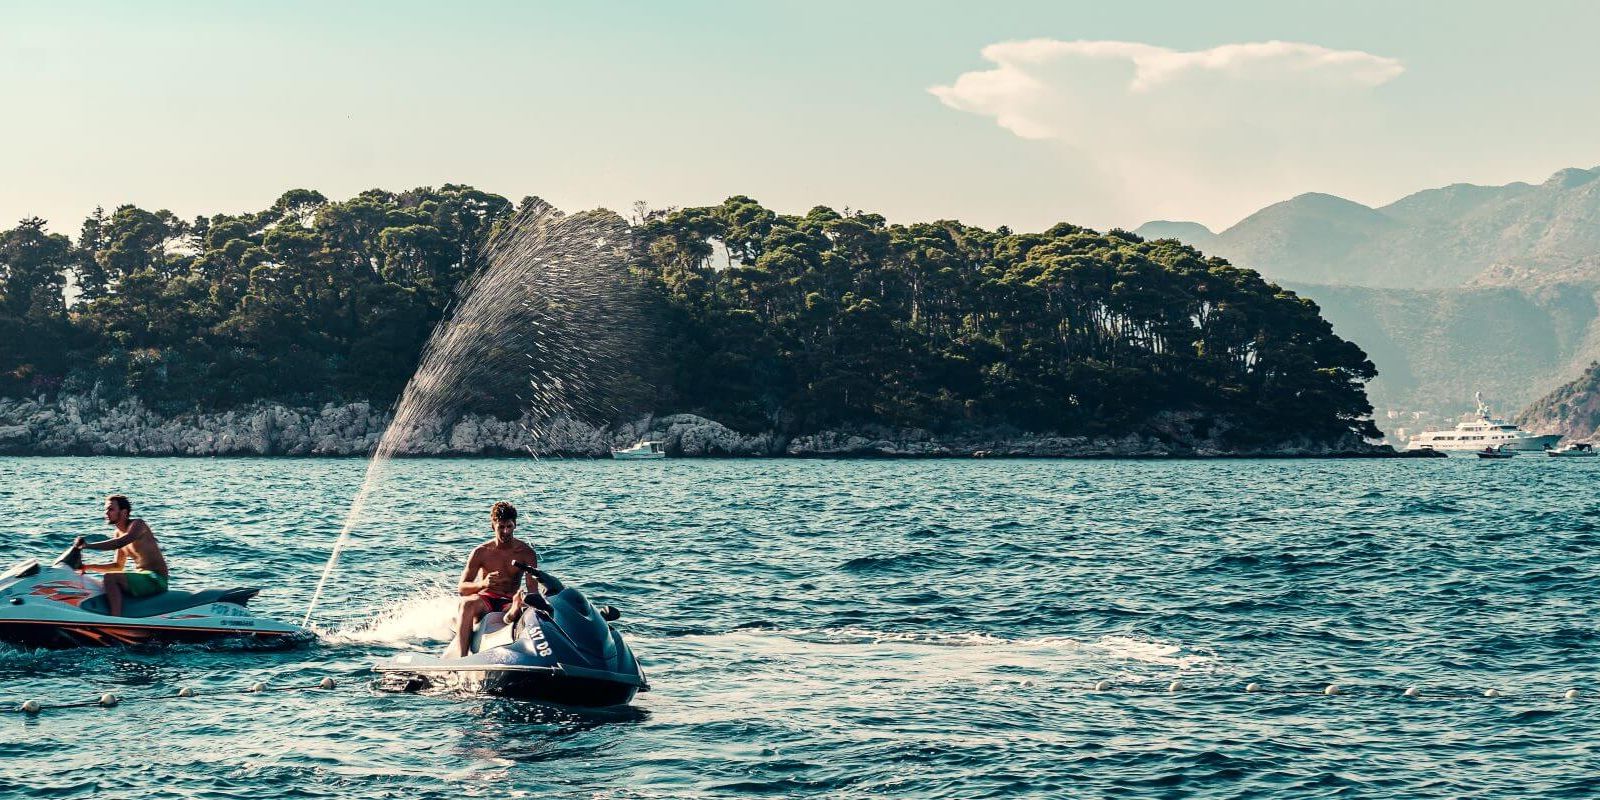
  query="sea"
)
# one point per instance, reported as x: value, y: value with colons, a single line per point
x: 855, y: 628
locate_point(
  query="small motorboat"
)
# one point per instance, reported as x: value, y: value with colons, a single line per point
x: 1498, y: 451
x: 60, y: 606
x: 646, y: 449
x: 563, y: 650
x: 1574, y: 450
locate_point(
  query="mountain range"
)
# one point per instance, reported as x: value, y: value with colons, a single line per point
x: 1439, y: 238
x: 1450, y: 291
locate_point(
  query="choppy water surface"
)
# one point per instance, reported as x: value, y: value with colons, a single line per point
x: 849, y: 628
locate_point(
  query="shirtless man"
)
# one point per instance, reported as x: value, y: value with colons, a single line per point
x: 147, y: 576
x: 489, y: 583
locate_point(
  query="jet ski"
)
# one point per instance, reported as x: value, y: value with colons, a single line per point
x: 59, y: 606
x: 562, y: 650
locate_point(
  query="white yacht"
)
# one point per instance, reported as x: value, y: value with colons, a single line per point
x: 1486, y: 430
x: 650, y: 449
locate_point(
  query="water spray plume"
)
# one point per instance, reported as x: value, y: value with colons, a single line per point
x: 550, y: 326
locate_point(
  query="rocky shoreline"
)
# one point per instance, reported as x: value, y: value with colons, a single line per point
x: 90, y: 425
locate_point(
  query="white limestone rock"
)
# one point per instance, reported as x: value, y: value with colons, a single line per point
x: 15, y: 435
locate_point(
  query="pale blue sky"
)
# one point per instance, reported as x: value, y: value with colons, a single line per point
x: 220, y: 106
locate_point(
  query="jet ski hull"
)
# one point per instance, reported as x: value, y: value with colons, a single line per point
x: 62, y: 636
x: 547, y: 685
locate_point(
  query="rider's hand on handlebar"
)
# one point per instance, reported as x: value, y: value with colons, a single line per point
x: 489, y: 577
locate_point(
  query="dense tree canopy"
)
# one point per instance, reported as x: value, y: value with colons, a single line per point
x: 768, y: 321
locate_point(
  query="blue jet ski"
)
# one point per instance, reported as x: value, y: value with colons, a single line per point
x: 562, y: 650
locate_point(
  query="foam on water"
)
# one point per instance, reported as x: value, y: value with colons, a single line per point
x: 425, y: 617
x: 882, y: 665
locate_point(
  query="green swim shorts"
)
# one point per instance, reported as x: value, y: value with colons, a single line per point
x: 143, y: 582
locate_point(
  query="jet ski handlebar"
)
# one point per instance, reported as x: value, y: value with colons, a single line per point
x: 551, y: 584
x: 72, y: 558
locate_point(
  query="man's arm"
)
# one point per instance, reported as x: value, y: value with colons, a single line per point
x: 470, y: 583
x: 135, y: 530
x: 530, y: 580
x: 114, y: 567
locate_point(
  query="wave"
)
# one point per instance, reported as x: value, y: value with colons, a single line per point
x: 1428, y: 506
x: 895, y: 563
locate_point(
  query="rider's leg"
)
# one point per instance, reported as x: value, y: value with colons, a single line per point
x: 115, y: 584
x: 471, y: 609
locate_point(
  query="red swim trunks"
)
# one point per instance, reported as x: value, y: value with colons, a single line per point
x: 494, y: 601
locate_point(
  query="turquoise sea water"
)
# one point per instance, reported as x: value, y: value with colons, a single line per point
x: 860, y: 628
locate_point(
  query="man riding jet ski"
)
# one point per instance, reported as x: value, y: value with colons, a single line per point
x: 147, y: 575
x: 63, y: 606
x: 59, y: 606
x: 545, y: 642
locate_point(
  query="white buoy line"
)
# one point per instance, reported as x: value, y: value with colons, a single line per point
x: 111, y: 700
x: 1336, y: 690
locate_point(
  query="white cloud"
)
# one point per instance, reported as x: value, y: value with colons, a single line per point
x: 1205, y: 134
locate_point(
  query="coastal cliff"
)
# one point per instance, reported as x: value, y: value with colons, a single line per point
x: 90, y: 425
x: 1572, y: 410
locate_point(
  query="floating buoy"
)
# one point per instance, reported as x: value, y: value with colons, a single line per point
x: 258, y: 686
x: 1252, y: 687
x: 328, y: 683
x: 1333, y: 689
x: 1572, y: 694
x: 108, y: 700
x: 31, y: 707
x: 1491, y: 692
x: 1412, y: 691
x: 1101, y: 686
x: 1175, y: 686
x: 186, y: 692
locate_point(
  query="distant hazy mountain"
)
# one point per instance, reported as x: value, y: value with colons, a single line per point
x: 1438, y: 238
x: 1435, y: 347
x: 1191, y: 233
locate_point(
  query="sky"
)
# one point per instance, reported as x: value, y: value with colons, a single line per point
x: 994, y: 113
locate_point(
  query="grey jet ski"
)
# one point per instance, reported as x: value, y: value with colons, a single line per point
x: 562, y: 650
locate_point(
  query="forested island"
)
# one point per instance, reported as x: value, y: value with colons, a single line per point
x: 801, y: 334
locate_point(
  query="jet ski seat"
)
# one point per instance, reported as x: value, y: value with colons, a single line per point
x: 169, y: 601
x: 492, y: 631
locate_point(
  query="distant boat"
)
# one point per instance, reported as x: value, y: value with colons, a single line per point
x: 1485, y: 431
x: 1574, y: 450
x: 1496, y: 452
x: 641, y: 450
